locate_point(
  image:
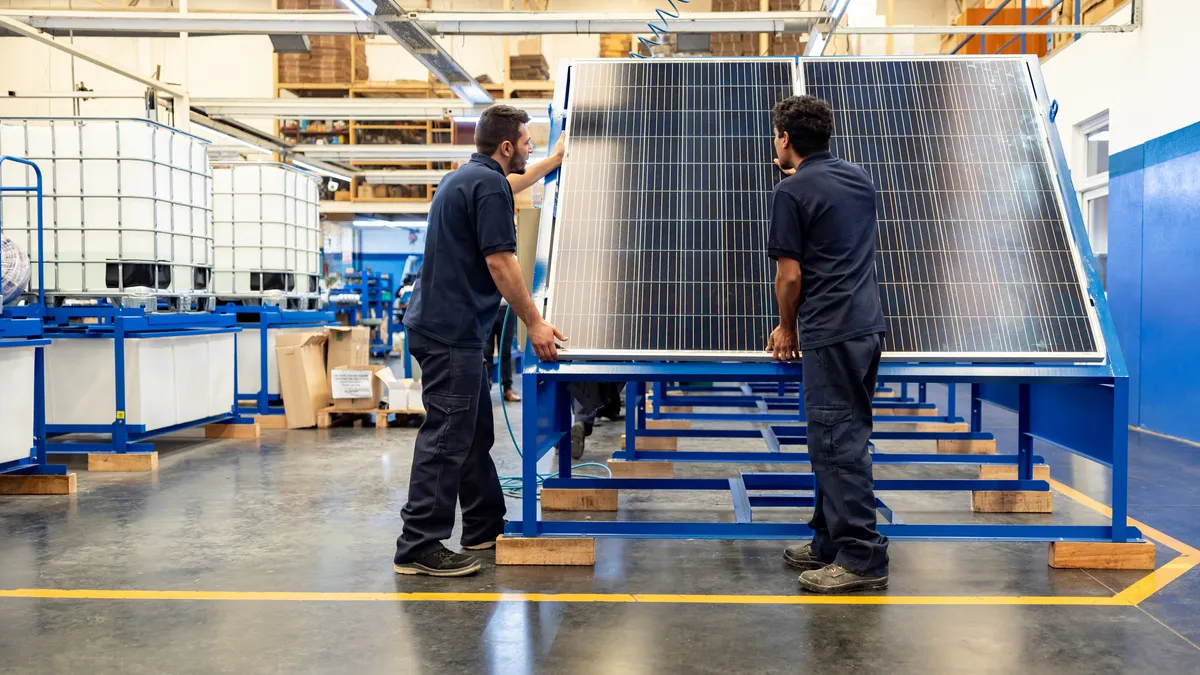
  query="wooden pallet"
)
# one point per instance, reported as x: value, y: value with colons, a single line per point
x: 381, y: 418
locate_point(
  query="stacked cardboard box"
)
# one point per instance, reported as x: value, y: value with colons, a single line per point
x: 528, y: 67
x: 615, y: 45
x: 329, y: 59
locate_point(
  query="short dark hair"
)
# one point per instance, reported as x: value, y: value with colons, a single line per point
x: 808, y: 122
x: 497, y: 124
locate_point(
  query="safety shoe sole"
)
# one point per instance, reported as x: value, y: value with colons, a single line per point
x: 481, y: 546
x: 578, y: 439
x: 417, y: 568
x: 877, y: 584
x: 805, y: 565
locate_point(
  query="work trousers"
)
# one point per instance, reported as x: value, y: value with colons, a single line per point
x: 452, y: 461
x: 839, y: 385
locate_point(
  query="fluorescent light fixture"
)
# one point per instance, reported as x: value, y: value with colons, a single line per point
x: 352, y: 5
x: 323, y: 172
x: 406, y: 224
x: 239, y: 141
x: 474, y: 119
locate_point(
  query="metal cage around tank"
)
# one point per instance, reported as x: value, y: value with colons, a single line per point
x: 127, y: 208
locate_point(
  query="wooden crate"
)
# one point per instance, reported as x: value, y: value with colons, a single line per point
x: 615, y: 45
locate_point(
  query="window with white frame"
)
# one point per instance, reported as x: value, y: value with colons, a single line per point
x: 1091, y: 170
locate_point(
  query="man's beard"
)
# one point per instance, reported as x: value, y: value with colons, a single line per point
x: 516, y: 168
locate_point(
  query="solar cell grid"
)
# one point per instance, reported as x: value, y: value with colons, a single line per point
x: 660, y: 232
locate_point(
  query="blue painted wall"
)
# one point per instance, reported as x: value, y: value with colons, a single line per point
x: 1153, y: 277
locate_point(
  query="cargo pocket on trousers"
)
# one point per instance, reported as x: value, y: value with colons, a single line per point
x: 830, y: 427
x: 447, y: 414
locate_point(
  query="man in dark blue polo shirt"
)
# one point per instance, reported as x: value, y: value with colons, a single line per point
x: 822, y: 235
x: 469, y: 264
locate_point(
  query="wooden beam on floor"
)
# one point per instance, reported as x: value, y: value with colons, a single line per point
x: 1008, y: 472
x: 641, y: 469
x: 565, y: 499
x: 545, y: 551
x: 1099, y: 555
x: 943, y: 426
x: 232, y: 431
x: 667, y: 443
x: 12, y: 484
x: 1012, y: 501
x: 959, y: 446
x: 674, y: 425
x: 131, y: 462
x: 271, y: 421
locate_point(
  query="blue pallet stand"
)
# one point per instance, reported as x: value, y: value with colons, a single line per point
x: 264, y: 318
x: 21, y: 328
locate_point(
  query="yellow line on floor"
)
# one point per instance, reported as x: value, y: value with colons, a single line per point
x: 614, y: 598
x: 1157, y: 580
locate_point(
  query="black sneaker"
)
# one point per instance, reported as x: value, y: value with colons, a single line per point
x: 579, y: 434
x: 440, y: 563
x: 801, y: 557
x: 837, y: 579
x: 616, y: 413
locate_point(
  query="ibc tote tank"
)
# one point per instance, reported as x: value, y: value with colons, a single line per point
x: 267, y: 233
x: 127, y: 207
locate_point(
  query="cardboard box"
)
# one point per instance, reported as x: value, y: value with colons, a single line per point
x: 305, y: 389
x: 356, y: 387
x: 400, y: 394
x: 348, y: 346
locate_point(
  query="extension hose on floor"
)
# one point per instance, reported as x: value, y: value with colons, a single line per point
x: 512, y: 485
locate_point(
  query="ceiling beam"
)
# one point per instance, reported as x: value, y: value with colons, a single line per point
x: 130, y: 23
x: 358, y: 109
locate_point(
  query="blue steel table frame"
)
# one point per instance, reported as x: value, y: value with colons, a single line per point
x: 119, y: 324
x: 1082, y: 408
x: 370, y: 287
x: 264, y: 318
x: 21, y: 328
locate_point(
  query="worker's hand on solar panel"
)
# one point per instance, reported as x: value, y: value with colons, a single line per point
x: 560, y: 148
x: 786, y: 172
x: 783, y: 344
x: 543, y: 336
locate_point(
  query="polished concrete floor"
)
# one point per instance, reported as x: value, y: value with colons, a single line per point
x: 316, y: 512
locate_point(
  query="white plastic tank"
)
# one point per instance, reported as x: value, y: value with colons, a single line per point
x: 127, y: 205
x: 16, y: 411
x: 267, y: 233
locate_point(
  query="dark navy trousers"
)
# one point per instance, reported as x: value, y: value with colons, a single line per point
x: 452, y: 461
x: 839, y: 386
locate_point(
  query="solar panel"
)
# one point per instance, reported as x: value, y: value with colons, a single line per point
x: 659, y: 245
x: 975, y: 257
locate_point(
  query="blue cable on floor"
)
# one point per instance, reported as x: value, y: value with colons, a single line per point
x: 512, y: 485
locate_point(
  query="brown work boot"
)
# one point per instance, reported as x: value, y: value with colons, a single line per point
x: 511, y: 396
x: 837, y: 579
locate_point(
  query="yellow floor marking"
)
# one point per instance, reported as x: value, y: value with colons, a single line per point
x: 1152, y: 583
x: 1157, y: 580
x: 58, y: 594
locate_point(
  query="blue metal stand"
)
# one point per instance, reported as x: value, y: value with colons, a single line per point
x: 375, y: 298
x: 265, y: 318
x: 118, y: 325
x: 21, y: 328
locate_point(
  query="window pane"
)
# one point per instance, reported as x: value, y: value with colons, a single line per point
x: 1097, y: 222
x: 1097, y: 151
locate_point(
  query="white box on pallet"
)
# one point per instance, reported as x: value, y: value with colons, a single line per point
x: 16, y: 405
x: 168, y: 380
x: 81, y: 382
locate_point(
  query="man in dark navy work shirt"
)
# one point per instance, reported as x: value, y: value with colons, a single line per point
x: 822, y: 236
x: 469, y: 264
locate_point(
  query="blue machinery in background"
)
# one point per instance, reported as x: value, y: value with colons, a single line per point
x: 21, y: 328
x: 374, y: 307
x: 1082, y: 408
x: 266, y: 318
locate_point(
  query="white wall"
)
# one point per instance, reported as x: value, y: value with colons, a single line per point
x: 1145, y: 79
